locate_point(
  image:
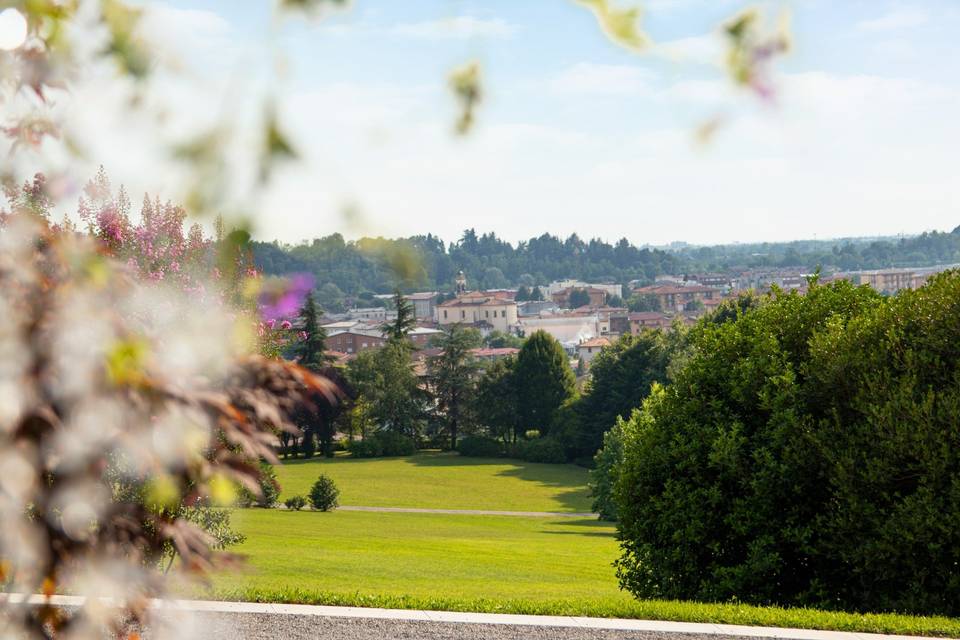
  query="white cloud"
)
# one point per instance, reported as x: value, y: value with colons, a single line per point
x: 707, y: 49
x: 454, y: 28
x: 897, y: 19
x: 611, y: 79
x: 178, y: 35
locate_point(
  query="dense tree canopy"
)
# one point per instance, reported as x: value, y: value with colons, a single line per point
x: 543, y: 379
x: 369, y: 264
x: 805, y: 452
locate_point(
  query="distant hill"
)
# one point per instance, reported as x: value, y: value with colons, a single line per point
x: 358, y: 269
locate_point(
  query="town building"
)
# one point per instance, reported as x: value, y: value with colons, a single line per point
x: 676, y: 298
x: 588, y: 349
x: 353, y: 342
x: 489, y: 354
x: 612, y: 290
x: 596, y: 295
x: 368, y: 313
x: 569, y: 329
x: 534, y: 307
x: 423, y: 303
x: 484, y: 310
x: 421, y: 336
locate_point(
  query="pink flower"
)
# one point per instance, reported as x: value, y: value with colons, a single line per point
x: 285, y: 325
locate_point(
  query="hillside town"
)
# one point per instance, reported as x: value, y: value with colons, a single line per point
x: 582, y: 316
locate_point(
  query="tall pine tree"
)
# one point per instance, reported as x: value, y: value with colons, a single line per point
x: 405, y: 322
x: 311, y: 351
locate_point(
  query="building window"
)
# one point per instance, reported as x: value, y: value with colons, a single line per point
x: 463, y: 314
x: 487, y: 314
x: 494, y: 314
x: 444, y: 314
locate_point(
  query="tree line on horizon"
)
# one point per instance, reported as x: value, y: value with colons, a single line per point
x: 355, y: 270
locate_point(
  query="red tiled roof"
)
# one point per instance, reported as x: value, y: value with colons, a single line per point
x: 476, y: 301
x: 595, y: 342
x: 494, y: 352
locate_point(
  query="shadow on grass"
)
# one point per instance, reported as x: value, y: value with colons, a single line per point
x: 570, y: 483
x: 582, y: 534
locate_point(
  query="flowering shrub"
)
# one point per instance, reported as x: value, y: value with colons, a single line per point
x: 123, y: 405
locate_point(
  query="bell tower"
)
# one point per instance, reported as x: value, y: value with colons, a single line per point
x: 461, y: 283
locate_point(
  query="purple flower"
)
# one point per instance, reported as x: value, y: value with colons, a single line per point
x: 283, y: 297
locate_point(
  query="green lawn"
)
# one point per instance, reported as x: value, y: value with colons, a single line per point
x: 444, y: 481
x: 555, y: 566
x: 424, y: 555
x: 559, y: 566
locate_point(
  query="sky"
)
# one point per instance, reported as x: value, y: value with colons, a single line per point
x: 576, y: 134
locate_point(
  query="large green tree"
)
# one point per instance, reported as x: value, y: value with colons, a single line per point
x: 495, y: 401
x: 805, y: 453
x: 389, y: 389
x: 544, y: 381
x: 621, y: 375
x: 452, y: 378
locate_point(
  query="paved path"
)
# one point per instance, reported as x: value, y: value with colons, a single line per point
x: 475, y: 512
x: 212, y: 620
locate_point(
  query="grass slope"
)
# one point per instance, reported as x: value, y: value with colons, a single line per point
x: 485, y: 564
x: 443, y: 481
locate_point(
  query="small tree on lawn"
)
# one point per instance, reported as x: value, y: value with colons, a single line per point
x: 324, y: 495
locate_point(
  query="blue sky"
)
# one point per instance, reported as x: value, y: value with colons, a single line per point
x: 578, y: 135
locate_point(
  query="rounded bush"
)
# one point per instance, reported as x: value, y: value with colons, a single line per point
x: 804, y: 454
x: 545, y: 450
x: 480, y: 447
x: 395, y: 444
x: 369, y: 447
x: 324, y: 495
x: 295, y: 503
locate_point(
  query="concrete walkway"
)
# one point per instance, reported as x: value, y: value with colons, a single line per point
x: 475, y: 512
x: 243, y: 620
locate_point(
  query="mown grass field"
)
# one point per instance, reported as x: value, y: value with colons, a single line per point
x: 444, y: 481
x: 556, y: 566
x: 424, y: 555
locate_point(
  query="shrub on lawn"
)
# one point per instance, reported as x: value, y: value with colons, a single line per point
x: 369, y: 447
x: 546, y: 450
x: 386, y: 443
x: 395, y: 444
x: 324, y: 495
x: 480, y: 447
x: 805, y: 453
x: 295, y: 503
x: 269, y: 489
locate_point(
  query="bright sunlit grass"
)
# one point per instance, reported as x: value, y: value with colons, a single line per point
x: 444, y: 481
x: 427, y: 555
x: 490, y: 564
